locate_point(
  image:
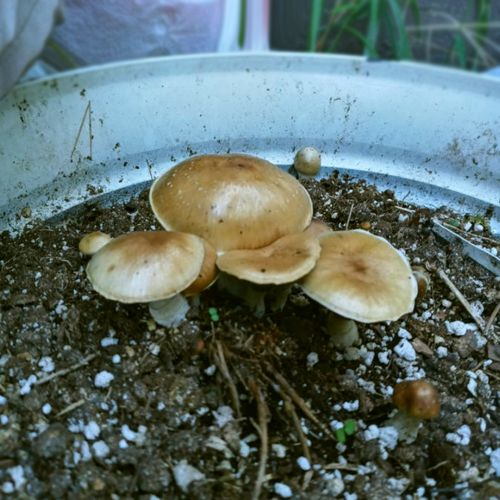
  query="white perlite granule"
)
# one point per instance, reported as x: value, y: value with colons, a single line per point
x: 92, y: 430
x: 303, y: 463
x: 103, y: 379
x: 223, y: 415
x: 185, y: 474
x: 461, y: 436
x: 405, y: 350
x: 459, y: 328
x: 101, y: 449
x: 283, y: 490
x: 46, y: 364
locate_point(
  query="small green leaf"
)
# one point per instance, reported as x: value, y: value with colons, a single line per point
x: 350, y: 426
x: 214, y: 315
x: 340, y: 435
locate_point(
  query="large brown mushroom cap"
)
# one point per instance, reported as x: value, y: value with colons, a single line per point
x: 362, y: 277
x: 284, y: 261
x: 233, y: 201
x: 146, y: 266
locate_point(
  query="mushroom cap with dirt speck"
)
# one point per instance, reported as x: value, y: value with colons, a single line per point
x: 146, y: 266
x: 362, y: 277
x: 233, y: 201
x: 286, y: 260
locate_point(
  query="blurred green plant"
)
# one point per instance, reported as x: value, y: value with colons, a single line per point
x: 392, y: 29
x: 348, y: 429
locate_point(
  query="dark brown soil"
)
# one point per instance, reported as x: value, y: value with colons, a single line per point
x: 68, y: 436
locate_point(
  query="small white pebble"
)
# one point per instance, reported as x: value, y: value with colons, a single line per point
x: 495, y: 461
x: 101, y: 449
x: 3, y: 400
x: 459, y: 328
x: 446, y: 303
x: 8, y: 487
x: 210, y: 370
x: 441, y: 352
x: 46, y: 364
x: 103, y: 379
x: 283, y: 490
x: 46, y: 408
x: 303, y: 463
x: 4, y: 419
x: 122, y: 444
x: 92, y: 430
x: 26, y: 384
x: 108, y: 341
x: 461, y: 436
x: 116, y: 359
x: 312, y: 359
x: 279, y: 450
x: 405, y: 350
x: 244, y: 449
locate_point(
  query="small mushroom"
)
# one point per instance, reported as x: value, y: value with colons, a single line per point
x: 93, y: 242
x: 416, y: 400
x: 423, y: 280
x: 149, y: 267
x: 251, y: 274
x: 307, y: 161
x: 233, y: 201
x: 361, y: 277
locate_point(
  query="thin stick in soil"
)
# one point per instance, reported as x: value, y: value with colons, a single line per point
x: 298, y: 400
x: 289, y: 408
x: 489, y: 325
x: 465, y: 303
x: 71, y: 407
x: 263, y: 417
x: 65, y: 371
x: 220, y: 361
x: 349, y: 217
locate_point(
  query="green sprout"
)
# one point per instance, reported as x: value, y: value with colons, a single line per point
x: 348, y: 429
x: 214, y: 315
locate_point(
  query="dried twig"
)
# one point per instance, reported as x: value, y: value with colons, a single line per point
x: 349, y: 217
x: 298, y: 400
x: 263, y: 415
x: 71, y: 407
x: 490, y: 322
x: 479, y: 321
x: 337, y: 466
x: 220, y: 361
x: 65, y: 371
x: 296, y: 422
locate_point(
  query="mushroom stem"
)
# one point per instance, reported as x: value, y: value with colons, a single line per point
x: 253, y: 295
x: 406, y: 425
x: 169, y: 312
x: 343, y: 331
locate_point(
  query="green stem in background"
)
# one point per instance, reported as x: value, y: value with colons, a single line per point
x: 243, y: 20
x: 314, y: 25
x: 65, y: 59
x: 373, y: 30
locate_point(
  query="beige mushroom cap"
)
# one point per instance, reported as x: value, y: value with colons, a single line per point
x: 284, y: 261
x: 93, y: 242
x: 233, y: 201
x: 146, y: 266
x: 361, y: 276
x: 207, y: 275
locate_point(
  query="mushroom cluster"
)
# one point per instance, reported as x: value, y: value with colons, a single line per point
x: 245, y: 217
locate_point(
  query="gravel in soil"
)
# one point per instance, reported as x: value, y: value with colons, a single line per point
x: 96, y: 400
